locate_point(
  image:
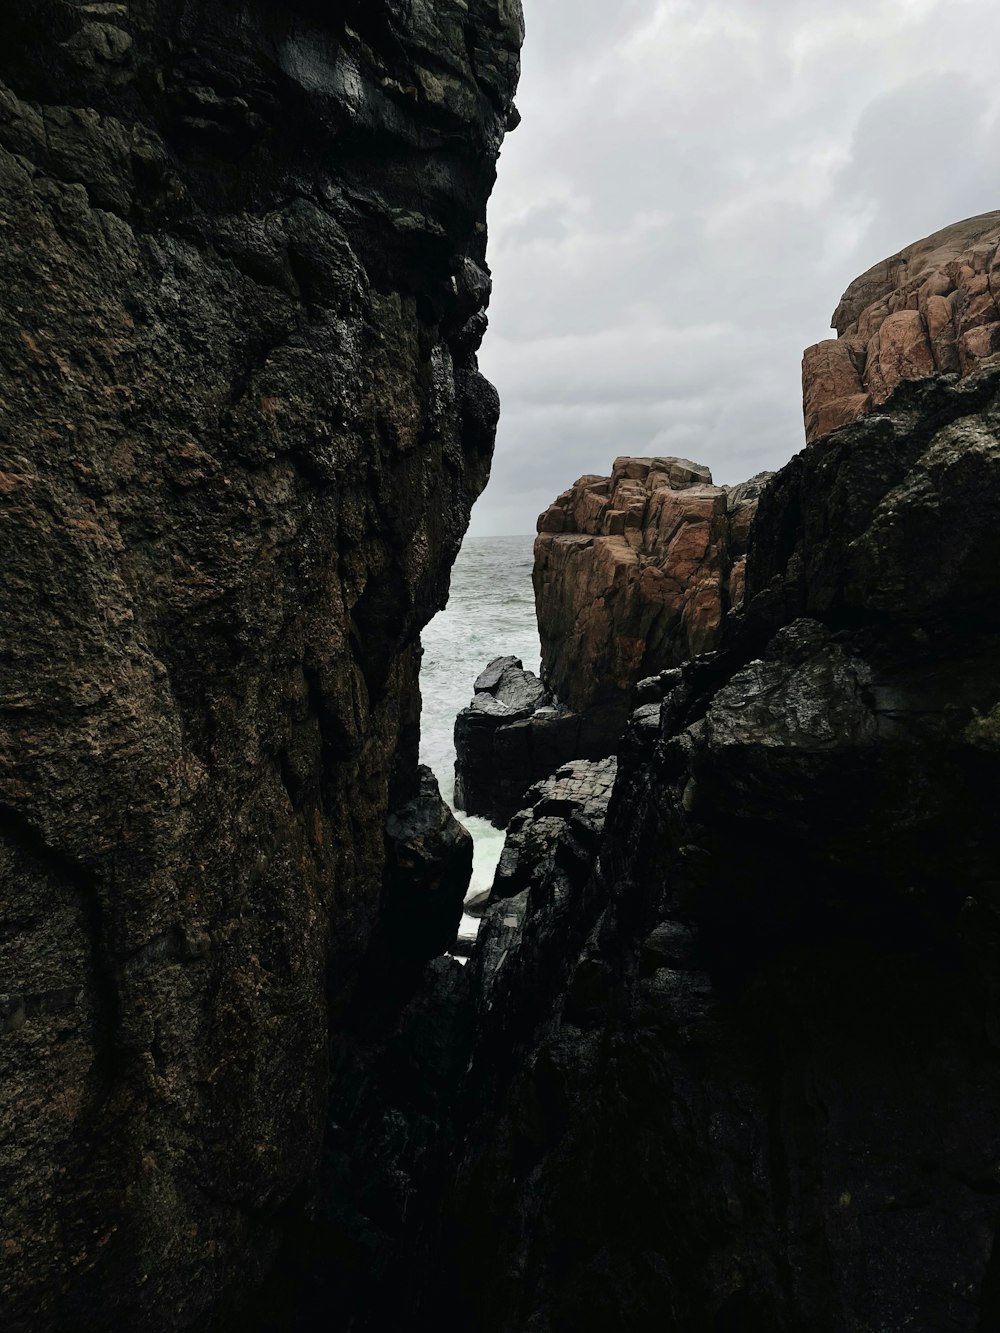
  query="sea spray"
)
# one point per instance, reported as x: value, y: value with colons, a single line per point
x: 490, y: 612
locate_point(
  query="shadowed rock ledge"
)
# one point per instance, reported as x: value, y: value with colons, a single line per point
x: 244, y: 283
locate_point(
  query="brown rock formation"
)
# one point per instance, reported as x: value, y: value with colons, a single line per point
x: 243, y: 277
x: 633, y: 574
x: 931, y: 309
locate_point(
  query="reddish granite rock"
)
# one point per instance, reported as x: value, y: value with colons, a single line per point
x: 633, y: 574
x: 931, y: 309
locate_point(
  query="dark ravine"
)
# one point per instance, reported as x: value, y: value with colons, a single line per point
x: 244, y: 284
x: 725, y: 1057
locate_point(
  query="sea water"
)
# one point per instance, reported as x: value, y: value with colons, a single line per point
x: 490, y: 613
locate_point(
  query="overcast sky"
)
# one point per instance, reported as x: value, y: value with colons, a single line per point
x: 693, y: 186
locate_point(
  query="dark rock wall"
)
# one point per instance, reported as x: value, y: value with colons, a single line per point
x: 751, y: 1081
x: 511, y: 736
x: 243, y: 274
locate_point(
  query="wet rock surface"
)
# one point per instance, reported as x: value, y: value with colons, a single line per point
x: 634, y: 573
x: 244, y: 427
x: 751, y: 1080
x: 427, y: 872
x: 512, y: 735
x: 931, y: 309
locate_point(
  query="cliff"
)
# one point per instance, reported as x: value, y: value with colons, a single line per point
x: 634, y: 574
x: 736, y: 1063
x: 244, y: 283
x: 931, y: 309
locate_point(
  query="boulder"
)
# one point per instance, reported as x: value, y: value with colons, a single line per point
x: 511, y: 735
x: 931, y: 309
x: 427, y: 872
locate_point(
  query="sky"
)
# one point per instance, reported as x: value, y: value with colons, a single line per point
x: 693, y: 186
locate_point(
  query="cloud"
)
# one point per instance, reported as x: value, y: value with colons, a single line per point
x: 691, y: 189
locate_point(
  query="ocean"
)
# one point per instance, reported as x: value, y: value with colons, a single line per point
x: 490, y: 613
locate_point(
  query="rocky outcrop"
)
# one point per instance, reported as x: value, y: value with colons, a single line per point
x: 931, y: 309
x: 752, y: 1079
x: 634, y: 573
x: 402, y: 1073
x: 244, y: 285
x: 511, y: 736
x: 427, y: 872
x: 557, y: 830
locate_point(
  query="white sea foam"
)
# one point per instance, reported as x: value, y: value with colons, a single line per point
x: 491, y: 613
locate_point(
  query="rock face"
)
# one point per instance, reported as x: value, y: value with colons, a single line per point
x: 244, y: 285
x: 557, y: 830
x: 403, y: 1072
x: 427, y: 873
x: 931, y: 309
x: 634, y: 574
x: 511, y: 736
x: 751, y: 1081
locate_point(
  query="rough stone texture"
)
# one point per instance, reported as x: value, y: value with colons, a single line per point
x: 634, y: 573
x: 751, y: 1082
x: 404, y: 1070
x: 512, y: 735
x: 931, y: 309
x: 243, y: 280
x: 427, y: 873
x: 557, y: 829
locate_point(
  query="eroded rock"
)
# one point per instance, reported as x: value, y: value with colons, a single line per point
x: 755, y: 1083
x: 512, y: 735
x: 427, y: 873
x: 930, y: 309
x: 634, y: 573
x: 243, y: 428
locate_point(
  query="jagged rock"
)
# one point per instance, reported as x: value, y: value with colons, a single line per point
x: 427, y: 872
x: 634, y: 573
x: 477, y: 904
x: 930, y: 309
x: 558, y: 829
x: 542, y: 898
x: 243, y: 429
x: 489, y: 681
x: 755, y: 1083
x: 511, y: 736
